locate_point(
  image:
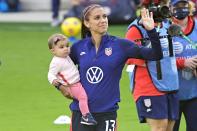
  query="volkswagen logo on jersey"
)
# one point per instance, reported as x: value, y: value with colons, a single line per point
x: 108, y: 51
x: 94, y: 75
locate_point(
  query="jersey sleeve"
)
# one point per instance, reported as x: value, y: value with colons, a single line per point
x: 132, y: 34
x: 54, y: 69
x: 140, y: 52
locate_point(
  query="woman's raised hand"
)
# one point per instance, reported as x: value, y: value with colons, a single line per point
x: 147, y: 19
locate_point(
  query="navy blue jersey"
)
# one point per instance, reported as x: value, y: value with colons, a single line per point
x: 100, y: 72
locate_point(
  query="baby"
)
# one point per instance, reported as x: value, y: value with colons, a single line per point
x: 62, y: 71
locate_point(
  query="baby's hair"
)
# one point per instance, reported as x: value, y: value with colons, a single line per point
x: 53, y: 39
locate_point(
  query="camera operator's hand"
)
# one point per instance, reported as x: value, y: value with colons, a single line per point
x: 191, y: 63
x: 147, y: 19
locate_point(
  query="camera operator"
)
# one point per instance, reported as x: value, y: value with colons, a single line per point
x: 155, y: 83
x: 186, y: 54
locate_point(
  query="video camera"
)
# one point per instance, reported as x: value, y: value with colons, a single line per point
x: 159, y: 12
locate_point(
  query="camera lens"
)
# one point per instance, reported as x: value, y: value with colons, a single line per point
x: 165, y: 12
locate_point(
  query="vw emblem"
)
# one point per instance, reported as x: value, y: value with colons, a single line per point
x: 94, y: 75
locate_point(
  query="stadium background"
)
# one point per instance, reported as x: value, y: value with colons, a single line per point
x: 27, y: 101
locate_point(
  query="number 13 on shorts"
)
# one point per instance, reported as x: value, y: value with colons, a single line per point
x: 110, y: 125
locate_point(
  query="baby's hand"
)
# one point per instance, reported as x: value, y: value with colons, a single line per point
x: 55, y: 82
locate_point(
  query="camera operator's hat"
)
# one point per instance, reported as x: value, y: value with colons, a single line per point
x: 174, y: 2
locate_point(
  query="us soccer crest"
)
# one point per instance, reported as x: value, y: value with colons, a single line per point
x: 108, y: 51
x: 147, y: 102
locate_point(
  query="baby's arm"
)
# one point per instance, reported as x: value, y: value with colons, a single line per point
x: 54, y: 68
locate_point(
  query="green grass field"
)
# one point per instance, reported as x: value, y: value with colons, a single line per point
x: 27, y: 101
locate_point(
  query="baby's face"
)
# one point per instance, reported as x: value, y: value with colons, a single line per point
x: 61, y: 49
